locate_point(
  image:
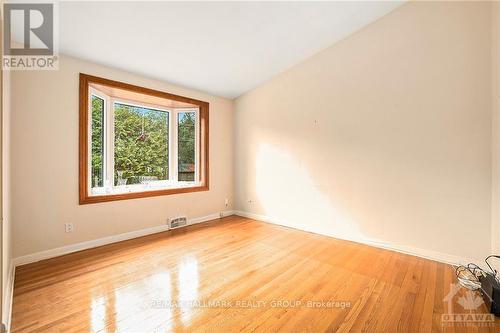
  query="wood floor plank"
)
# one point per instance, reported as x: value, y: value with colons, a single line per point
x: 237, y: 275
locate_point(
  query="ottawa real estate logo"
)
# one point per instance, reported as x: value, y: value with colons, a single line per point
x: 468, y: 302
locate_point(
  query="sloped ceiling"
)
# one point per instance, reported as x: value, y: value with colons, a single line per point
x: 223, y: 48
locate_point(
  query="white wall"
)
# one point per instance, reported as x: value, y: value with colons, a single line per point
x: 44, y: 149
x: 495, y: 56
x: 384, y: 137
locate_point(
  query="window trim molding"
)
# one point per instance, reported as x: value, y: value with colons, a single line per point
x: 203, y: 134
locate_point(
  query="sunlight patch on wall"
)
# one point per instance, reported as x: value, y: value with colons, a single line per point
x: 287, y: 192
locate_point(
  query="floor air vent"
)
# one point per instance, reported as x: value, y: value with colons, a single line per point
x: 178, y: 222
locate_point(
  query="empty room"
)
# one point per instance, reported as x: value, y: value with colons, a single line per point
x: 239, y: 166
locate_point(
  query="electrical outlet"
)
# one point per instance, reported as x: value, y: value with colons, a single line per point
x: 226, y: 202
x: 68, y: 227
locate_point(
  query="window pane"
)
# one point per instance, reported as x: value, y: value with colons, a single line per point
x: 97, y: 170
x: 186, y: 144
x: 141, y: 145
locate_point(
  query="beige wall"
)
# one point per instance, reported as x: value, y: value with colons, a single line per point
x: 6, y: 196
x: 495, y: 56
x: 6, y: 232
x: 44, y: 151
x: 384, y: 137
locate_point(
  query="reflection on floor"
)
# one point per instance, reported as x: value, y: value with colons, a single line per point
x: 237, y: 274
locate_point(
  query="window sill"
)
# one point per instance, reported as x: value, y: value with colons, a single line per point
x: 142, y: 188
x: 140, y: 191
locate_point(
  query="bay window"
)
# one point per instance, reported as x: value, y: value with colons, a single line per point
x: 137, y: 142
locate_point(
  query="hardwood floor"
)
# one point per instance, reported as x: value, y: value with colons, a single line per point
x: 237, y: 274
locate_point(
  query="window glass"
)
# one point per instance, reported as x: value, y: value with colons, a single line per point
x: 141, y: 145
x: 97, y: 148
x: 186, y: 124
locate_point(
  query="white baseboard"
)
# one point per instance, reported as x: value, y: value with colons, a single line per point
x: 418, y: 252
x: 9, y: 293
x: 56, y: 252
x: 210, y: 217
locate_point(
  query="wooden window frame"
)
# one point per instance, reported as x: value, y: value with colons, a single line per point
x: 203, y: 152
